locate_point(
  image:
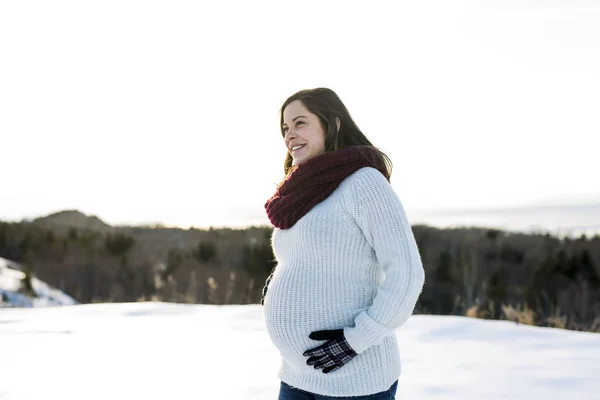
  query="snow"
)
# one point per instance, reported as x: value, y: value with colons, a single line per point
x: 10, y: 284
x: 159, y: 350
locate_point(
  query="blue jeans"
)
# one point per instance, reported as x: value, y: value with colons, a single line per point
x: 287, y: 392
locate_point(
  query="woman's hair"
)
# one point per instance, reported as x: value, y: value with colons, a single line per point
x: 327, y: 105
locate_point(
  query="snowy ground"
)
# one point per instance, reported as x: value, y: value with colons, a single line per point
x: 11, y: 278
x: 160, y: 351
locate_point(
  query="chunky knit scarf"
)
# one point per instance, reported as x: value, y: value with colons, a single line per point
x: 313, y: 180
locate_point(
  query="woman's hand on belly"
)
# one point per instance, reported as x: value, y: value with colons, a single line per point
x: 332, y: 355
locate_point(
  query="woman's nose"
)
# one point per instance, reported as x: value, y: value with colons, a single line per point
x: 290, y: 135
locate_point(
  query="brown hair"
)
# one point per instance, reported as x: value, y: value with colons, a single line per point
x: 327, y: 105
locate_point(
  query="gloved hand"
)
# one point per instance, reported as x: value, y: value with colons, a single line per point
x: 331, y: 355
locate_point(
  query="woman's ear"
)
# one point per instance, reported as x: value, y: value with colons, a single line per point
x: 339, y: 123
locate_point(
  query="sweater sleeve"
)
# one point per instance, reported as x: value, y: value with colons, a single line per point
x: 380, y: 215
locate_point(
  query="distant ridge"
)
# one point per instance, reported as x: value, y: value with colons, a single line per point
x: 73, y: 219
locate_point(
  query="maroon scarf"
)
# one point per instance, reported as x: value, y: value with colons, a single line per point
x: 313, y: 180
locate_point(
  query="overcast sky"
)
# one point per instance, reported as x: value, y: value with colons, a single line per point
x: 167, y: 111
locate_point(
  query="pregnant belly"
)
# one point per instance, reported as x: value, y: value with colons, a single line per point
x: 287, y: 315
x: 293, y: 311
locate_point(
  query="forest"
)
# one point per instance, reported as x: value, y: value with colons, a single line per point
x: 531, y: 278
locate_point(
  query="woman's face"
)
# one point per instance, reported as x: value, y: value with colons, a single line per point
x: 302, y: 128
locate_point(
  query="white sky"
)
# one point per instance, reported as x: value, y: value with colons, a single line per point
x: 148, y: 111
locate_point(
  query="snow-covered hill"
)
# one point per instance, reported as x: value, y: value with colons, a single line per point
x: 159, y: 351
x: 11, y: 294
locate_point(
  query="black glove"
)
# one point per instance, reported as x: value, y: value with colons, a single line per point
x: 331, y: 355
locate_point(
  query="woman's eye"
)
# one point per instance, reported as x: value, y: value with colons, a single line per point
x: 298, y: 123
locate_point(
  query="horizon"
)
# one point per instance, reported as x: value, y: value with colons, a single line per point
x: 171, y: 116
x: 558, y: 219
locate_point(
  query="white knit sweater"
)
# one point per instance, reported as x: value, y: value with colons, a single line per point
x: 351, y: 262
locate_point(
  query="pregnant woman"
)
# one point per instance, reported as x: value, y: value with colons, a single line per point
x: 348, y: 269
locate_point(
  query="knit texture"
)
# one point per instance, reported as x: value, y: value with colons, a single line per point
x: 350, y: 263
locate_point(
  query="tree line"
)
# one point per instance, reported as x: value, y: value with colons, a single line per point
x: 539, y: 279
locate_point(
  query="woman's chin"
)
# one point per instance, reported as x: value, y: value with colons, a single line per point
x: 297, y: 160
